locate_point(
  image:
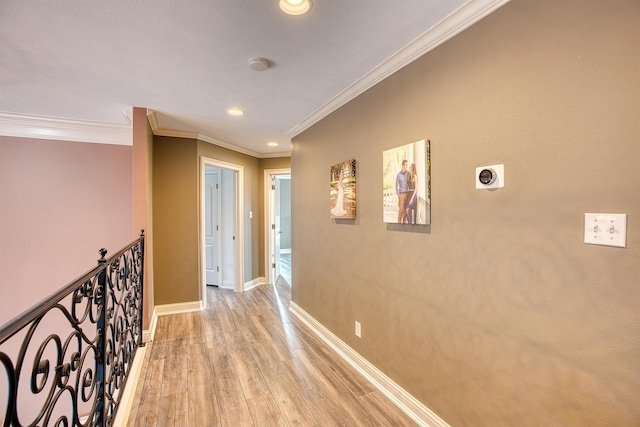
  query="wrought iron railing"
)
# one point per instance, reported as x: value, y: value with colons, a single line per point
x: 65, y: 361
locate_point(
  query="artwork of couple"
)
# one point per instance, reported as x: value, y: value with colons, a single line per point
x: 343, y: 190
x: 406, y: 184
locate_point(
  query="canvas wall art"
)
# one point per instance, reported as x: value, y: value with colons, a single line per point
x: 406, y: 184
x: 343, y: 190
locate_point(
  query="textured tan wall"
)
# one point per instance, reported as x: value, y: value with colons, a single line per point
x: 176, y: 201
x: 175, y: 220
x: 272, y: 163
x: 497, y: 314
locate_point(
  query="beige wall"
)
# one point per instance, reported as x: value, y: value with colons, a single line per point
x: 175, y: 220
x: 497, y: 314
x: 176, y: 163
x: 60, y: 202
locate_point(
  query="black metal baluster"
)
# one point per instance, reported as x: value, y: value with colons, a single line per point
x: 100, y: 415
x: 141, y: 274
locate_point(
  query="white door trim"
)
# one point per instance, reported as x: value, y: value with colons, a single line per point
x: 239, y: 226
x: 268, y: 240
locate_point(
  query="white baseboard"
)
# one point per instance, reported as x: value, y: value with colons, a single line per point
x: 227, y: 284
x: 147, y: 335
x: 129, y: 392
x: 178, y: 308
x: 254, y: 283
x: 400, y: 397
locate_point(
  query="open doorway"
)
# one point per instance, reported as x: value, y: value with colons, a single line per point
x: 221, y: 226
x: 278, y: 224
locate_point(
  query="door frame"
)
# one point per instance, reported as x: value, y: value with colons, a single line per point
x: 268, y: 240
x: 239, y: 225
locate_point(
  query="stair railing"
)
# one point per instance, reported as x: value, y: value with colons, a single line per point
x: 65, y: 361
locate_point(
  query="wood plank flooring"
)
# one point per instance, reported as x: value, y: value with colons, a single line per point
x: 247, y: 361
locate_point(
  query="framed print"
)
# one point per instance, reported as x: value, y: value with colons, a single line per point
x: 406, y: 184
x: 342, y: 194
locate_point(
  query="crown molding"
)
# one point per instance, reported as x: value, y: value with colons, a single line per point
x: 215, y: 141
x: 157, y: 130
x: 41, y: 127
x: 153, y: 120
x: 467, y: 15
x: 128, y: 114
x: 275, y: 155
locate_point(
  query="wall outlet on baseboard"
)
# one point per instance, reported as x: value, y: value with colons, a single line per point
x: 358, y: 329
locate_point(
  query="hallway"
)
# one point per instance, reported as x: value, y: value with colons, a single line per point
x: 247, y: 361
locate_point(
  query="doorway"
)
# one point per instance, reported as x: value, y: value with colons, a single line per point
x: 221, y: 226
x: 278, y: 224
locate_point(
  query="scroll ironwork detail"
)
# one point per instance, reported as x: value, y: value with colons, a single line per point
x: 65, y: 361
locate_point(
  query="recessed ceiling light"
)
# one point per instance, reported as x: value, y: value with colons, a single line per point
x: 272, y: 144
x: 295, y: 7
x: 235, y: 112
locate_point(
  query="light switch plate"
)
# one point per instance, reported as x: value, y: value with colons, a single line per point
x: 605, y: 229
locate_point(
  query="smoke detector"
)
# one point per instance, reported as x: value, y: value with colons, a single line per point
x: 258, y: 64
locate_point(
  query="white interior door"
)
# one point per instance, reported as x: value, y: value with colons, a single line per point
x: 212, y: 229
x: 277, y: 229
x: 273, y: 275
x: 228, y: 213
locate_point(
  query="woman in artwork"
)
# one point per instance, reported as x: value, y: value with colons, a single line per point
x: 413, y: 194
x: 338, y: 209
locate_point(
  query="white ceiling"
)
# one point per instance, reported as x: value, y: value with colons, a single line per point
x: 187, y: 60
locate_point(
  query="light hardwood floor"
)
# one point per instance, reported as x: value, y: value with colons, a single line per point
x: 246, y: 361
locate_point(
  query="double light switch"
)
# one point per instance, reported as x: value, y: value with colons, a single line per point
x: 605, y: 229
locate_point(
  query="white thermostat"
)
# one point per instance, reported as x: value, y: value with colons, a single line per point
x: 488, y: 177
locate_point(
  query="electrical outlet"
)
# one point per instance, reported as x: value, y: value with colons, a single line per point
x: 358, y: 329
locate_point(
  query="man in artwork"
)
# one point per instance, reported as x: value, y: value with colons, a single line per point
x: 402, y: 190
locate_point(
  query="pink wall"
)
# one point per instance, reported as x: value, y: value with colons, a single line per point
x: 59, y: 203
